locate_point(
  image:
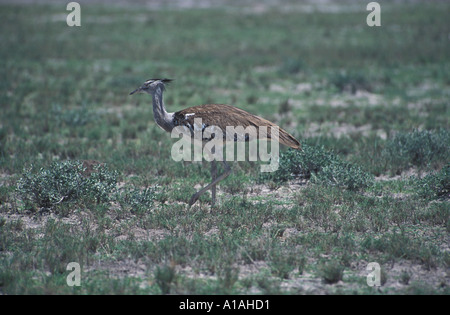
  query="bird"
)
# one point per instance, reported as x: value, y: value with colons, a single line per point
x: 219, y: 115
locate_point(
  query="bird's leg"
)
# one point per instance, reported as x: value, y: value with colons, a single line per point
x: 197, y: 195
x: 213, y: 177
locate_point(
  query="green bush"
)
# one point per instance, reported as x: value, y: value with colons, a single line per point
x: 101, y: 183
x: 417, y: 148
x: 282, y: 263
x: 435, y: 185
x: 165, y: 277
x: 319, y: 166
x: 345, y: 175
x: 135, y: 200
x: 331, y: 272
x: 66, y: 181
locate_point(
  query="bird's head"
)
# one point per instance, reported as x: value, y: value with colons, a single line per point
x: 150, y: 86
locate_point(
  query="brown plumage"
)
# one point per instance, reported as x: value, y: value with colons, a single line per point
x: 222, y: 115
x: 214, y: 115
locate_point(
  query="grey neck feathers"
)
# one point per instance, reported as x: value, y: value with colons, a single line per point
x: 162, y: 117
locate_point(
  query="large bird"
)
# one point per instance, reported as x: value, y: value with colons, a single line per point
x: 212, y: 115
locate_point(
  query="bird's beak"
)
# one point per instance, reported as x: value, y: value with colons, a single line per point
x: 137, y: 90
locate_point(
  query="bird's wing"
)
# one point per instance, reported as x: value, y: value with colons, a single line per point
x: 223, y: 116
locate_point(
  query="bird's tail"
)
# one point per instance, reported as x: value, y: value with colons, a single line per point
x: 287, y: 139
x: 284, y: 137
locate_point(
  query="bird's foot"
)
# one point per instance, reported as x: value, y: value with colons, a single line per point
x: 194, y: 198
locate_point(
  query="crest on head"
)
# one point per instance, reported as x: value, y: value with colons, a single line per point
x: 150, y: 81
x: 150, y: 85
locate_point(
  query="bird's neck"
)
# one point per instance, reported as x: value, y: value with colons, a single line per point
x: 162, y: 117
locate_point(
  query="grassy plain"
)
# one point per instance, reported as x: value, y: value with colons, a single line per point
x: 370, y: 105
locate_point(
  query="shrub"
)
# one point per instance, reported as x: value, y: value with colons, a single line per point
x: 331, y: 272
x: 435, y: 185
x: 321, y: 167
x: 165, y: 277
x: 417, y: 148
x: 135, y: 200
x: 283, y: 263
x: 346, y: 175
x: 101, y: 183
x: 405, y: 276
x: 65, y: 182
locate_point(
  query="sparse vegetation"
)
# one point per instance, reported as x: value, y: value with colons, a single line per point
x: 370, y: 106
x: 422, y: 149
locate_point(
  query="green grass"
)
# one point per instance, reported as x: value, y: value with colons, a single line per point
x: 370, y: 106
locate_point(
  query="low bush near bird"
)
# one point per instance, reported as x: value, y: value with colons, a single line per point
x: 320, y: 166
x: 63, y: 182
